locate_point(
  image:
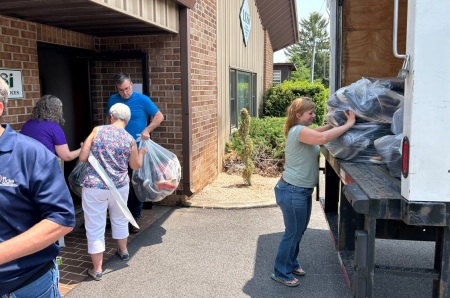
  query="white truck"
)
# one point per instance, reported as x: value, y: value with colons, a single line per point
x: 389, y: 38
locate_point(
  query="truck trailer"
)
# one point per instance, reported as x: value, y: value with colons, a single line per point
x: 407, y: 39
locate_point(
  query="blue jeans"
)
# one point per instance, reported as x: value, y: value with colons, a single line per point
x: 295, y: 203
x: 45, y: 286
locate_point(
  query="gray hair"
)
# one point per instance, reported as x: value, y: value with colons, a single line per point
x: 120, y: 111
x: 4, y: 92
x: 49, y: 107
x: 121, y: 77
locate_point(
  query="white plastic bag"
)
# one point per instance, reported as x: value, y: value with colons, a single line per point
x: 159, y: 175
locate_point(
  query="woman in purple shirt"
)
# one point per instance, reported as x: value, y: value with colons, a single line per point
x: 45, y: 126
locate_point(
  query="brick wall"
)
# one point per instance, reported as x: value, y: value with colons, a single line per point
x: 204, y: 93
x: 18, y: 50
x: 164, y: 76
x: 164, y: 85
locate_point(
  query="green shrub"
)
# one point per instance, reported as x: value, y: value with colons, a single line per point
x: 268, y: 139
x: 247, y: 146
x: 279, y: 97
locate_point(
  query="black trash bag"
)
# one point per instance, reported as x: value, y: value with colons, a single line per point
x: 76, y: 177
x: 357, y: 144
x: 388, y: 147
x: 397, y: 122
x: 371, y: 102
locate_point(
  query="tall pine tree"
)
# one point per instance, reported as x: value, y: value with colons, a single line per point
x: 301, y: 54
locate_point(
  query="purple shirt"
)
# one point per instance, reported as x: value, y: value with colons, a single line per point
x: 48, y: 133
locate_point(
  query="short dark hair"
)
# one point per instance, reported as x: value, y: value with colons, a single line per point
x: 121, y: 77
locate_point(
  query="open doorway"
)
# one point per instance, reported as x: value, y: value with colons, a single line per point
x: 63, y: 74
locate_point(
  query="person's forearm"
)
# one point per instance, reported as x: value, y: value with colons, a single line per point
x: 335, y: 132
x: 156, y: 121
x: 323, y: 128
x: 35, y: 239
x: 65, y: 154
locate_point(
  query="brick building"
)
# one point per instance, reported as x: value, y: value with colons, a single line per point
x: 199, y: 61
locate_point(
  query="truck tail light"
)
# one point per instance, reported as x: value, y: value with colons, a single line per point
x: 405, y: 157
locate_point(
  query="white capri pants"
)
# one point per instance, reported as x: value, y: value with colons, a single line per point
x: 95, y: 204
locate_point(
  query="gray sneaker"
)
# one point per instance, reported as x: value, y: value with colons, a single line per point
x: 124, y: 256
x: 95, y: 275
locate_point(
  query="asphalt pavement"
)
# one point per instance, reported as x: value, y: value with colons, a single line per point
x: 201, y: 252
x: 196, y: 252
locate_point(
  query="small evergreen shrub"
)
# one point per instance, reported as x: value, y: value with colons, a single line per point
x: 247, y: 146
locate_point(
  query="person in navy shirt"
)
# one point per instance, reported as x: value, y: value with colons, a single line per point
x: 36, y: 209
x: 141, y: 107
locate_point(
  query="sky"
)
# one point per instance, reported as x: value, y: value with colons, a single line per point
x: 304, y: 8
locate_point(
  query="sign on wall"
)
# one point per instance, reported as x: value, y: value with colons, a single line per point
x: 246, y: 21
x: 13, y: 77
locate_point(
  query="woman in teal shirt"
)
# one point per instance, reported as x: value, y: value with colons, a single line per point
x: 294, y: 189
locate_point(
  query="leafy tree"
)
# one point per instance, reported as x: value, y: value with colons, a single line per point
x: 313, y: 33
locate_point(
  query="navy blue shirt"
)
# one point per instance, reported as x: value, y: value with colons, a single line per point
x: 32, y: 188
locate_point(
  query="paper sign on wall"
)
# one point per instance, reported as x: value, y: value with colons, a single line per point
x: 13, y: 77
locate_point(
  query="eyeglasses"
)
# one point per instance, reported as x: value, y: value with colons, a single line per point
x: 126, y: 89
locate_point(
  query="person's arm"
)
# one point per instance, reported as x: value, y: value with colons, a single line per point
x: 323, y: 128
x: 313, y: 137
x: 65, y: 154
x: 156, y: 121
x: 136, y: 156
x: 35, y: 239
x: 86, y: 148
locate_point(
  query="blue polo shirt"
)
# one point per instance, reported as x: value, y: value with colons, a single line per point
x: 141, y: 106
x: 32, y: 188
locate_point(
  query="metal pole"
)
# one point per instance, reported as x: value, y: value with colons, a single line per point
x: 313, y: 59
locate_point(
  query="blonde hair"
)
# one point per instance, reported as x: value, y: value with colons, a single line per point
x: 120, y: 111
x: 299, y: 105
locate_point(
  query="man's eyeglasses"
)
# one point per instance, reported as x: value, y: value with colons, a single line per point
x: 126, y: 89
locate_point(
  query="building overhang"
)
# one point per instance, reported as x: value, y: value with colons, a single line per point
x: 289, y: 65
x: 279, y: 18
x: 100, y: 18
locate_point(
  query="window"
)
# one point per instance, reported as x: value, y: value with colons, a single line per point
x: 276, y: 77
x: 242, y: 95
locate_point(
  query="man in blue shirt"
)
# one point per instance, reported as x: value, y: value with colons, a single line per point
x: 36, y: 209
x: 141, y: 107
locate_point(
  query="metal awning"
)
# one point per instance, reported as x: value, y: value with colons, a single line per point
x: 97, y: 17
x: 280, y: 19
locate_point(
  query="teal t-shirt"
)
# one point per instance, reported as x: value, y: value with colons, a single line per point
x: 301, y: 166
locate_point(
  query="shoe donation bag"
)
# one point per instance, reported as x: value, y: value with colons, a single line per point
x: 159, y: 175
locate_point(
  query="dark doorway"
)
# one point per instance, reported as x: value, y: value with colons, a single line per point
x: 63, y: 74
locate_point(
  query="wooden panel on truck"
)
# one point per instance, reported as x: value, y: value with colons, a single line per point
x: 367, y: 39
